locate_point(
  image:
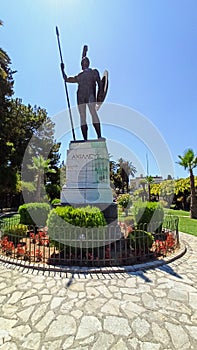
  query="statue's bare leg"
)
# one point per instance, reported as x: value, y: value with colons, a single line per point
x: 95, y: 118
x: 84, y: 127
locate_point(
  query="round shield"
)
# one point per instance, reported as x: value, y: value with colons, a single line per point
x: 102, y: 92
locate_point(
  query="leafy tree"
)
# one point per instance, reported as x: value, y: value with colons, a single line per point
x: 124, y: 200
x: 8, y: 176
x: 6, y: 91
x: 45, y: 165
x: 181, y: 186
x: 167, y: 190
x: 3, y: 59
x: 31, y: 132
x: 138, y: 195
x: 119, y: 174
x: 181, y: 193
x: 144, y: 195
x: 115, y: 183
x: 115, y: 177
x: 126, y: 169
x: 189, y: 162
x: 18, y: 125
x: 155, y: 190
x: 149, y: 180
x: 112, y: 168
x: 5, y: 73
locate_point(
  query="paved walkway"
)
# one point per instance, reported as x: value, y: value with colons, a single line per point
x: 156, y: 309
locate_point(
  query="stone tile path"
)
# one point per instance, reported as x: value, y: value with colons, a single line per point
x: 156, y: 309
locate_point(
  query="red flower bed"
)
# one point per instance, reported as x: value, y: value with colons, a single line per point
x: 162, y: 247
x: 36, y: 247
x: 7, y: 246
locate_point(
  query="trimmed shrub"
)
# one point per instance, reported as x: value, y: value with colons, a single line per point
x: 70, y: 225
x: 34, y: 213
x: 55, y: 201
x: 82, y: 217
x: 148, y: 215
x: 141, y: 241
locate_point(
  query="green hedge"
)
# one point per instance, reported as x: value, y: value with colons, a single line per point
x: 34, y: 213
x: 148, y: 214
x: 141, y: 241
x: 82, y: 217
x: 68, y: 225
x: 55, y: 201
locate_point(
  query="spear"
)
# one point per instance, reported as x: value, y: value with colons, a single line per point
x: 66, y: 89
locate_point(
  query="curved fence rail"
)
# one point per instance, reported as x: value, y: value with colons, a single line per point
x: 95, y: 247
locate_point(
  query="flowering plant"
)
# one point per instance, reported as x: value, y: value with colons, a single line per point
x: 40, y: 238
x: 124, y: 200
x: 162, y: 247
x: 7, y: 246
x: 38, y: 255
x: 20, y: 252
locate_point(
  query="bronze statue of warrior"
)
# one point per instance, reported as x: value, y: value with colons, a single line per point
x: 87, y: 81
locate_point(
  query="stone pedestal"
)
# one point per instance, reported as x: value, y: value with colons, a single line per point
x: 88, y: 177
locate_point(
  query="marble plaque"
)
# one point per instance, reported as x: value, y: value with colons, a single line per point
x: 87, y: 173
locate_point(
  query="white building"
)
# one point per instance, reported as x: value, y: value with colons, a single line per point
x: 135, y: 183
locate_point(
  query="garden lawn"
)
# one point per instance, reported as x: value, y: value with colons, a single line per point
x: 186, y: 224
x: 177, y: 212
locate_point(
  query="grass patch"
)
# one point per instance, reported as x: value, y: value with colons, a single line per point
x: 177, y: 212
x: 186, y: 224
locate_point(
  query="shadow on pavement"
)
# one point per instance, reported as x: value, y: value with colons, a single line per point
x: 163, y: 267
x: 168, y: 269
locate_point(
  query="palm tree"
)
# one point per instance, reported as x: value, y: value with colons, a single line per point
x: 40, y: 166
x: 126, y: 169
x: 189, y: 162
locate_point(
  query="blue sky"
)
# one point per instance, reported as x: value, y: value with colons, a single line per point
x: 148, y: 47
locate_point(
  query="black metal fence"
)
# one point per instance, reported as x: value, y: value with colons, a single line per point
x: 116, y: 245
